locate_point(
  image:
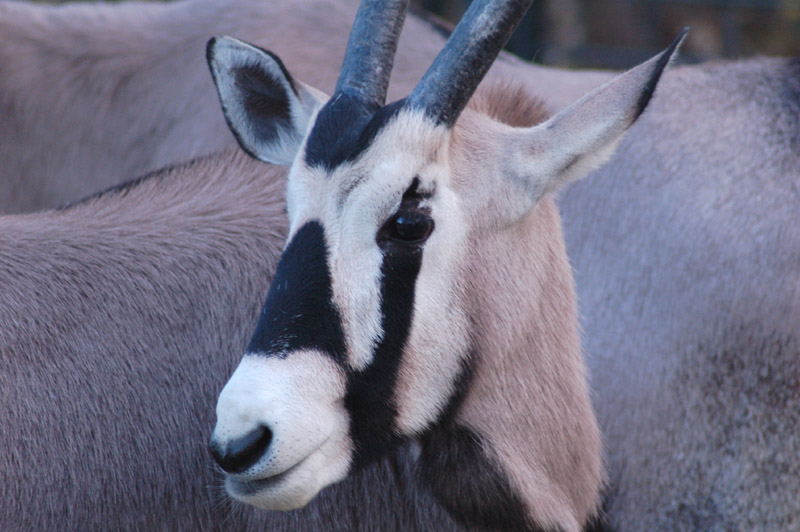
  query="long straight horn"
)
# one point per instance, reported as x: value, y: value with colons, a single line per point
x: 370, y: 51
x: 447, y: 86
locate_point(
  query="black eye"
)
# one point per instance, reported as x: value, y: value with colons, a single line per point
x: 409, y: 226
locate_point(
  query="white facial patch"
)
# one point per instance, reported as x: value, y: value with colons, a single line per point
x: 408, y: 147
x: 352, y: 203
x: 300, y: 399
x: 438, y: 340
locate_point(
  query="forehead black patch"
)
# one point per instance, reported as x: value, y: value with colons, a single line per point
x: 344, y: 129
x: 299, y: 312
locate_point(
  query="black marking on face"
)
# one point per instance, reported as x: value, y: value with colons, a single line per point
x: 344, y: 129
x: 460, y: 389
x: 469, y: 483
x: 412, y: 224
x: 661, y: 64
x: 299, y: 312
x: 370, y: 393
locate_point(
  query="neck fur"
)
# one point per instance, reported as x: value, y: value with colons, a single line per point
x: 526, y: 424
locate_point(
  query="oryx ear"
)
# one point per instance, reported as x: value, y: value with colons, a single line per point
x: 267, y: 110
x: 584, y: 136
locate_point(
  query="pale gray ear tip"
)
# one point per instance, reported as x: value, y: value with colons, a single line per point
x: 213, y: 46
x: 218, y: 42
x: 210, y: 47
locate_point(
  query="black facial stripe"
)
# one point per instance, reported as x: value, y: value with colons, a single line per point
x: 299, y: 312
x: 460, y: 389
x: 467, y: 482
x: 344, y: 129
x: 370, y: 394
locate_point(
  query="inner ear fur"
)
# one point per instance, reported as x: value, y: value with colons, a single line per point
x: 267, y: 110
x: 583, y: 136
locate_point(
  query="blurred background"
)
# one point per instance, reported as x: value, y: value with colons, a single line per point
x: 621, y: 33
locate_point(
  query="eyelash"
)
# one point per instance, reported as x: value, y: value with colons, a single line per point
x: 411, y: 225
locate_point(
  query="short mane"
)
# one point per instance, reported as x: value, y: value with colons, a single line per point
x: 509, y: 103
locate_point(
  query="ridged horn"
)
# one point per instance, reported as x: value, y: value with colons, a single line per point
x: 447, y: 86
x: 370, y: 50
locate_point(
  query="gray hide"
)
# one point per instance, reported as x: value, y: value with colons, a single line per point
x: 687, y: 261
x: 684, y: 245
x: 122, y: 319
x: 91, y: 94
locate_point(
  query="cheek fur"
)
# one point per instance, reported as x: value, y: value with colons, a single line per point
x: 438, y: 346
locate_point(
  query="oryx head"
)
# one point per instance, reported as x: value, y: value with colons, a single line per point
x: 372, y: 332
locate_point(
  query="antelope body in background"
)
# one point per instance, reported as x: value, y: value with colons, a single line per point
x: 424, y: 292
x: 122, y: 317
x: 92, y: 94
x: 686, y: 250
x: 125, y: 306
x: 684, y: 245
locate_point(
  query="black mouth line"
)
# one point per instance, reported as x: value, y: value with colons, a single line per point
x: 246, y: 488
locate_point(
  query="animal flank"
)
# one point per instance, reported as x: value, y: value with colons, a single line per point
x: 680, y: 245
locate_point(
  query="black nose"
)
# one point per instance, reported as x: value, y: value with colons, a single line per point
x: 240, y: 454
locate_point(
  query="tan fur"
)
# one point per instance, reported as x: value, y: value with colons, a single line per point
x: 726, y: 128
x: 529, y: 399
x: 122, y: 318
x: 509, y: 103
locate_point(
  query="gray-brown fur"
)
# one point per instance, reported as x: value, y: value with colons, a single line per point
x: 93, y: 93
x: 125, y: 313
x: 122, y: 318
x: 657, y: 276
x: 686, y: 259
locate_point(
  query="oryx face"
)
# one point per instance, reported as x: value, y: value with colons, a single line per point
x: 392, y: 228
x: 362, y: 341
x: 365, y: 337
